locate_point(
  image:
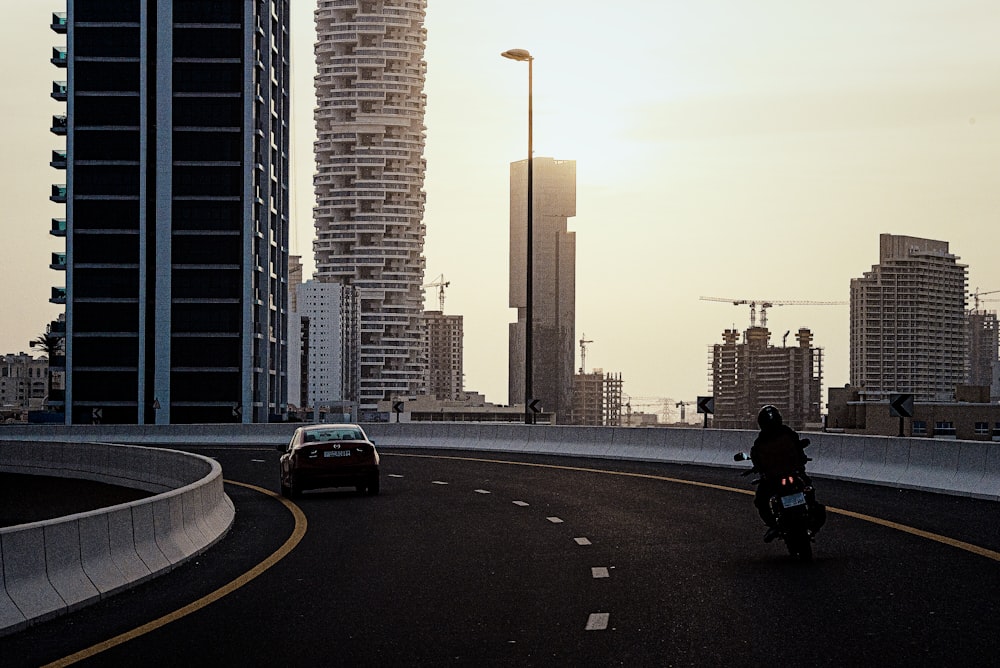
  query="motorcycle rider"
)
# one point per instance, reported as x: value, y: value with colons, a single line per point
x: 777, y: 452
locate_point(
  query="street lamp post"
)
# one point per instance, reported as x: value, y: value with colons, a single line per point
x: 529, y: 416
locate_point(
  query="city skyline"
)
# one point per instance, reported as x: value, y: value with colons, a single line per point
x: 709, y: 140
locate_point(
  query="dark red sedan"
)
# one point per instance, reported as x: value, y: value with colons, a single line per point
x: 329, y: 455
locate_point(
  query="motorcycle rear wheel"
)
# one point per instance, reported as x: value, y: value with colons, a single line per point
x: 800, y: 547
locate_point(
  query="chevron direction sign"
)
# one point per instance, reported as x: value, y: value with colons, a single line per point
x: 901, y: 405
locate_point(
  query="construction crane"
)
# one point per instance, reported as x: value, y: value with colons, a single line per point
x: 583, y: 353
x: 682, y: 405
x: 440, y: 284
x: 765, y: 304
x: 977, y: 294
x: 660, y: 404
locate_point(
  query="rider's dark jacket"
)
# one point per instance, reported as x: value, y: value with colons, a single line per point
x: 776, y: 452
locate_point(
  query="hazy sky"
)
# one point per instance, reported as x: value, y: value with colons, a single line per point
x: 724, y: 148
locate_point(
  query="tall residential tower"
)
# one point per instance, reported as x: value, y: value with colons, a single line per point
x: 908, y: 322
x: 553, y: 282
x: 176, y: 200
x: 369, y: 182
x: 445, y: 378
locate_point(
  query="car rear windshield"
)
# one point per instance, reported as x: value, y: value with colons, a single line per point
x: 333, y: 435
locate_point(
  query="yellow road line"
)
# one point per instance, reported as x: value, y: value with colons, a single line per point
x: 297, y: 533
x: 944, y: 540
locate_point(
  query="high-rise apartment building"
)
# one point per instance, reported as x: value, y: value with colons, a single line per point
x: 984, y: 346
x: 176, y: 198
x: 553, y: 282
x: 445, y: 377
x: 908, y: 322
x: 369, y: 181
x: 297, y: 336
x: 751, y: 373
x: 328, y: 318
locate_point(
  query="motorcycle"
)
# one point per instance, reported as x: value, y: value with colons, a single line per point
x: 797, y: 515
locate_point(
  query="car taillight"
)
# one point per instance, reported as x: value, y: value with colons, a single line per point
x: 305, y: 453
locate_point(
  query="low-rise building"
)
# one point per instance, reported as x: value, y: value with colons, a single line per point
x: 972, y: 417
x: 469, y: 407
x: 23, y: 384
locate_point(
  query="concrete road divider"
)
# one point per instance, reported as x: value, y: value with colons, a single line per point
x: 56, y: 566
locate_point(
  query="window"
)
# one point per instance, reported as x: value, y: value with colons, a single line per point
x: 919, y: 428
x: 982, y: 428
x: 944, y: 428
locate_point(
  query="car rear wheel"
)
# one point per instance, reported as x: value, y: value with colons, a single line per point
x: 286, y: 491
x: 373, y: 486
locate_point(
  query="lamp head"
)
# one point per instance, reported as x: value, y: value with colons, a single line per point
x: 517, y: 54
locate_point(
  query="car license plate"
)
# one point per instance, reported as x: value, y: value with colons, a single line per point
x: 792, y: 500
x: 337, y: 453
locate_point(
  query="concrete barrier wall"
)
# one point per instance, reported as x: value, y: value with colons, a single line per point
x: 970, y: 468
x: 966, y: 468
x: 56, y: 566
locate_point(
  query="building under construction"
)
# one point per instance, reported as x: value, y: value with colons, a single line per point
x: 749, y: 374
x: 597, y: 399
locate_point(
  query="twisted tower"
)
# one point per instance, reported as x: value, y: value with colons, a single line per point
x: 369, y: 181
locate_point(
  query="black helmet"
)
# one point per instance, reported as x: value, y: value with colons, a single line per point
x: 769, y: 417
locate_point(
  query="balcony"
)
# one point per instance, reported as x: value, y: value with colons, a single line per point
x: 58, y: 228
x: 60, y: 56
x: 60, y: 91
x: 58, y: 262
x: 58, y: 160
x: 58, y: 296
x: 59, y: 22
x: 58, y: 193
x: 58, y: 125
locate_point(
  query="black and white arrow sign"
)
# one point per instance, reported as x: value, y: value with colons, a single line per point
x: 901, y: 405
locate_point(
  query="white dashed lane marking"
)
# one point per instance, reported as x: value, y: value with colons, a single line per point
x: 554, y: 520
x: 598, y: 621
x: 395, y: 475
x: 438, y: 482
x: 520, y: 503
x: 482, y: 491
x: 600, y: 572
x: 582, y: 541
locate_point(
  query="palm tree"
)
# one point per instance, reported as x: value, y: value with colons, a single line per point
x: 51, y: 346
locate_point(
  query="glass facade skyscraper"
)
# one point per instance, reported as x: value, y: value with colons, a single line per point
x: 176, y: 199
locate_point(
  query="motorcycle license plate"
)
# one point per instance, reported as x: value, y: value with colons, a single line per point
x: 793, y: 500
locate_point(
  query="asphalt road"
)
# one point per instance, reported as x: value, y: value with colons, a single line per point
x: 535, y: 561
